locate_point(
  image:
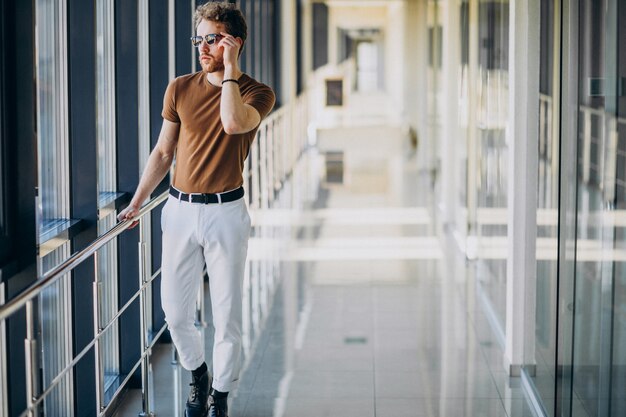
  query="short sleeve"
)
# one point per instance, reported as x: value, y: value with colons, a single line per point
x: 262, y: 98
x: 169, y: 103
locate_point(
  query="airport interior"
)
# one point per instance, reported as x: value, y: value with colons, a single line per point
x: 435, y: 203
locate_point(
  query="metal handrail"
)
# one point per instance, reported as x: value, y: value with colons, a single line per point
x: 35, y: 396
x: 72, y: 262
x: 59, y: 377
x: 279, y: 124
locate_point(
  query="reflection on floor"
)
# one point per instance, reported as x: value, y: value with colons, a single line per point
x: 356, y: 307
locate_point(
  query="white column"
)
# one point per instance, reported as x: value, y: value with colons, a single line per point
x: 415, y: 77
x: 522, y: 137
x: 450, y: 128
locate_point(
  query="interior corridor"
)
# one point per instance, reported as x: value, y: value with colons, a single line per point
x: 438, y: 206
x: 364, y: 307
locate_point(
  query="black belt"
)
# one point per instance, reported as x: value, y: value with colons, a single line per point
x: 208, y: 198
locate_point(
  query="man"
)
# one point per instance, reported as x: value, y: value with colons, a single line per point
x: 210, y: 119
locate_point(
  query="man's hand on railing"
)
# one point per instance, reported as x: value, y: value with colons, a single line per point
x: 128, y: 213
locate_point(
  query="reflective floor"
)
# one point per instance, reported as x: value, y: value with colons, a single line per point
x: 356, y: 305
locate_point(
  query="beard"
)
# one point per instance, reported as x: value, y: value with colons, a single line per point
x: 212, y: 65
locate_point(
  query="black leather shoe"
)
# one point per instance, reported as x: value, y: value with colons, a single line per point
x: 218, y: 406
x: 197, y: 402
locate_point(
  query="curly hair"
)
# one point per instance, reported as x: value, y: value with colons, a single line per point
x: 226, y: 13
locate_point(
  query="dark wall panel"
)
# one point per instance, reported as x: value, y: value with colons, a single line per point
x: 547, y: 38
x: 184, y: 30
x: 18, y: 174
x: 83, y: 187
x: 276, y: 56
x: 127, y: 129
x: 254, y: 31
x: 16, y: 333
x: 158, y: 64
x: 320, y: 35
x: 127, y: 133
x: 18, y: 144
x: 243, y: 61
x: 5, y: 233
x: 158, y: 83
x: 300, y: 70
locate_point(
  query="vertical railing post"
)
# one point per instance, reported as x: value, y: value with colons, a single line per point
x: 263, y: 177
x: 97, y: 329
x: 177, y: 381
x: 200, y: 305
x: 32, y: 371
x: 4, y: 394
x: 271, y: 186
x: 586, y: 146
x: 254, y: 174
x: 146, y: 374
x: 143, y: 38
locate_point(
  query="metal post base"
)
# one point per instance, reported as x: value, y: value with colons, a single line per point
x: 174, y: 360
x: 142, y: 414
x: 201, y: 324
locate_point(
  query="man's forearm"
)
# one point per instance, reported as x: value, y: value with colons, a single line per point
x: 157, y: 167
x: 232, y: 110
x: 236, y: 116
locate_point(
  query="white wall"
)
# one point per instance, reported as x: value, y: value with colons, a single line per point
x: 345, y: 16
x: 395, y: 60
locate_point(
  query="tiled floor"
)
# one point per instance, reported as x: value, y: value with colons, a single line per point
x: 365, y: 312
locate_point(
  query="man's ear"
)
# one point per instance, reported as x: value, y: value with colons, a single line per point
x: 240, y: 42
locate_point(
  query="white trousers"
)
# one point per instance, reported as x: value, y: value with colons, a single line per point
x: 215, y: 234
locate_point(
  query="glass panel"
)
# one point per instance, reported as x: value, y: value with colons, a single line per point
x: 105, y: 63
x: 588, y: 293
x: 52, y: 142
x: 489, y: 224
x: 56, y: 347
x: 107, y: 272
x: 547, y: 211
x: 598, y: 363
x: 618, y: 348
x: 52, y: 109
x: 107, y: 256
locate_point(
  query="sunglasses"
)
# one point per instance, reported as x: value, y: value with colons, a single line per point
x: 210, y: 39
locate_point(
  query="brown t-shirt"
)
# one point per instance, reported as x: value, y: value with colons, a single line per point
x: 207, y: 159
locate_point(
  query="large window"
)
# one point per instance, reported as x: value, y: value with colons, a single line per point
x: 52, y: 127
x: 261, y: 55
x: 105, y: 58
x: 107, y: 183
x: 53, y: 198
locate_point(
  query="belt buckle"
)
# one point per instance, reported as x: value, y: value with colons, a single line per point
x: 219, y: 198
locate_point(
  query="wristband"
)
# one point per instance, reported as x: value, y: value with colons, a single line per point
x: 230, y: 80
